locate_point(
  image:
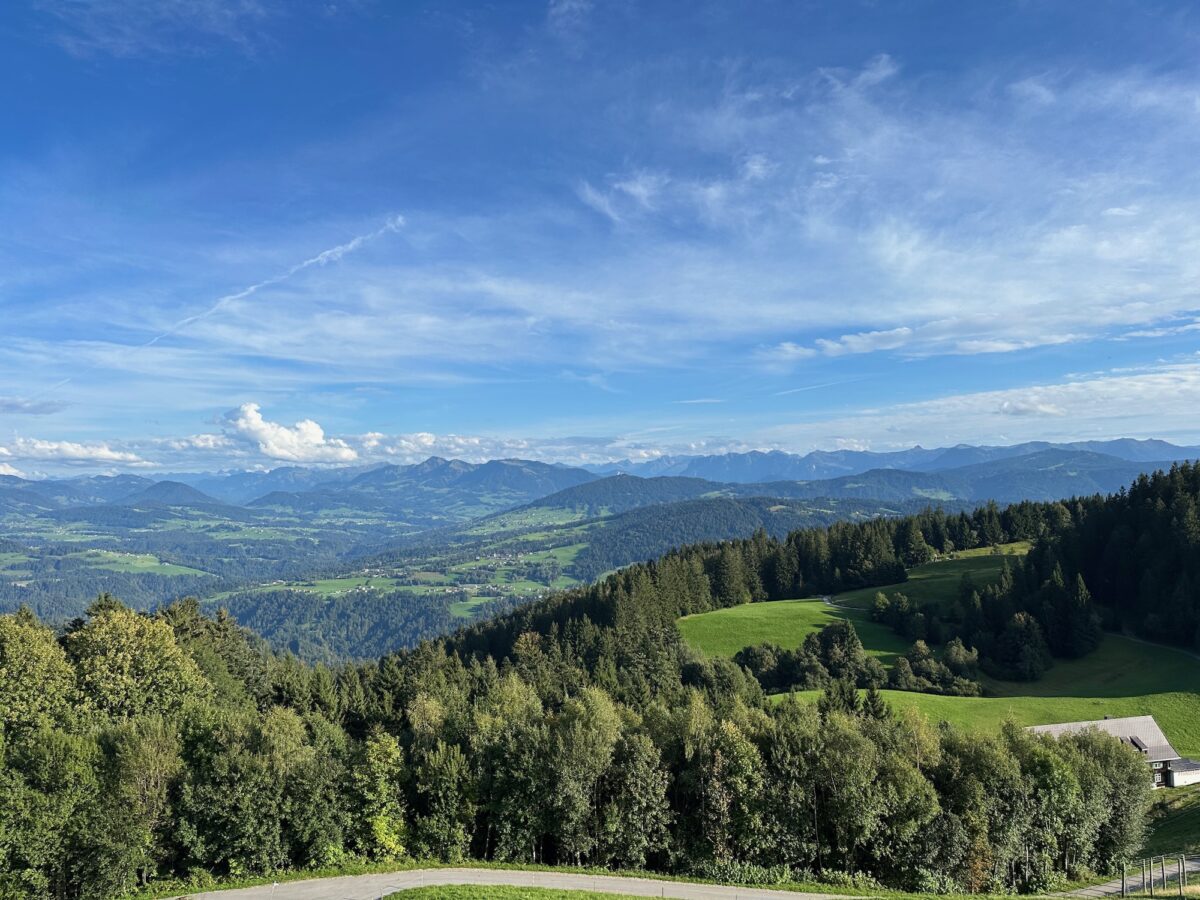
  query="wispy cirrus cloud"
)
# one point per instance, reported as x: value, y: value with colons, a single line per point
x: 125, y: 28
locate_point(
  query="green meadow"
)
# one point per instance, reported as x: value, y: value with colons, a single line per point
x: 1124, y: 677
x: 724, y: 632
x: 938, y: 582
x: 115, y: 561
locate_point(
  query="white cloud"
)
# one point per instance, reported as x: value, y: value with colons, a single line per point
x: 1154, y: 402
x: 598, y: 201
x: 304, y: 442
x: 6, y: 469
x: 862, y: 342
x: 1019, y: 407
x: 23, y: 407
x: 70, y: 452
x: 201, y: 442
x: 866, y: 342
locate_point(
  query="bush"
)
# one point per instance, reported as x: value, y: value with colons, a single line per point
x: 733, y: 872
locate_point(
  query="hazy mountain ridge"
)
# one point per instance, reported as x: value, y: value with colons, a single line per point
x: 777, y: 465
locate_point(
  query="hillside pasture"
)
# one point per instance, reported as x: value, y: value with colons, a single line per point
x: 938, y: 581
x: 1124, y: 677
x: 724, y: 632
x: 785, y: 623
x: 147, y: 563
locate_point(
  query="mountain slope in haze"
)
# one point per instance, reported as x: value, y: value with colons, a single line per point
x: 170, y: 493
x: 240, y: 488
x: 435, y: 492
x: 758, y: 466
x: 1048, y: 474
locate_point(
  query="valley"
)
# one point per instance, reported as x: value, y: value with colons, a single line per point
x: 446, y: 541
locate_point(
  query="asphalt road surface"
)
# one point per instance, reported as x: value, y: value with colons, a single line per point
x: 1113, y: 888
x: 372, y: 887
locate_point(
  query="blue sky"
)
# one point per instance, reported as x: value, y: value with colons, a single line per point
x: 255, y: 232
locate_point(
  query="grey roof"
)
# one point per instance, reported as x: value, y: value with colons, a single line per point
x: 1140, y: 732
x: 1186, y: 765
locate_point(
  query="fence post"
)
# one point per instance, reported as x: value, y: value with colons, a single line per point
x: 1143, y: 876
x: 1151, y: 877
x: 1162, y: 867
x: 1124, y: 874
x: 1181, y: 876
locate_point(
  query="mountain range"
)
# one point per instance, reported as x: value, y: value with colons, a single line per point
x: 440, y: 492
x: 777, y: 465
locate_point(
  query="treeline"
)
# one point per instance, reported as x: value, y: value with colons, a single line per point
x: 1139, y: 554
x: 649, y: 532
x: 137, y: 748
x: 1127, y: 561
x: 356, y: 626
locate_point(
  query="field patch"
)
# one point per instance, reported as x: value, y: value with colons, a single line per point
x: 147, y: 563
x: 1123, y: 677
x: 938, y: 582
x: 724, y: 632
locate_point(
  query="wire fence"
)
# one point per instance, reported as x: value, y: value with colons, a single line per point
x: 1161, y: 876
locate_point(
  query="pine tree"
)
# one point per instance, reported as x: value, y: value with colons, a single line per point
x: 874, y: 706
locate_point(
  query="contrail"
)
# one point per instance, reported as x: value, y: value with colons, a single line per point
x: 816, y: 387
x: 333, y: 254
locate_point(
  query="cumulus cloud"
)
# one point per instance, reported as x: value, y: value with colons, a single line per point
x: 71, y: 452
x: 304, y: 442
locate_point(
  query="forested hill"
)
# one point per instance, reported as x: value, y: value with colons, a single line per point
x: 1130, y: 560
x: 1139, y: 553
x: 583, y: 730
x: 651, y: 531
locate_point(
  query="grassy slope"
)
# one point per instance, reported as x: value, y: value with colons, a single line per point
x: 938, y: 582
x: 1123, y: 678
x: 724, y: 632
x: 786, y: 622
x: 1176, y: 821
x: 115, y: 561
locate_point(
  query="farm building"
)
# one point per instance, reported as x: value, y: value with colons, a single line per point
x: 1143, y: 734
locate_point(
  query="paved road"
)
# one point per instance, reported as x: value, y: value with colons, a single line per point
x: 372, y: 887
x: 1113, y: 888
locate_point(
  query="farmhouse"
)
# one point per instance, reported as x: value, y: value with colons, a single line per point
x: 1143, y: 734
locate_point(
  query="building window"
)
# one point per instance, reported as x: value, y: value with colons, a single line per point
x: 1157, y: 765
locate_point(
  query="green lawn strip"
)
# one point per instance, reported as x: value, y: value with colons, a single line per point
x: 1175, y: 822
